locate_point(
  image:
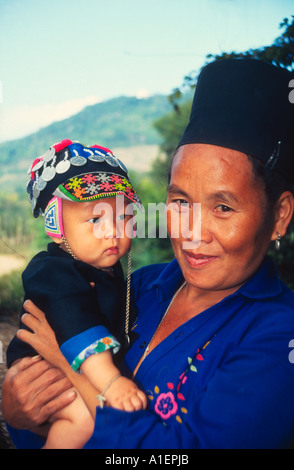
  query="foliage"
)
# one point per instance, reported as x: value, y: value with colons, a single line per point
x: 147, y: 250
x: 11, y: 293
x: 20, y: 232
x: 280, y: 53
x: 171, y: 128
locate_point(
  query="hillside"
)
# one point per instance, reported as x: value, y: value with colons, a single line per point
x: 124, y: 124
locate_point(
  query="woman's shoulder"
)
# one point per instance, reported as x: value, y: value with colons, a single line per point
x: 285, y: 301
x: 272, y: 316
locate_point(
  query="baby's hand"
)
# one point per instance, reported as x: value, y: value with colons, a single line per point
x: 123, y: 394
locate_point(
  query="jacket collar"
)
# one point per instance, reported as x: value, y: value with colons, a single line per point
x: 265, y: 283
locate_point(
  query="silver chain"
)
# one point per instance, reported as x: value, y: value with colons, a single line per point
x: 165, y: 313
x: 127, y: 320
x: 69, y: 248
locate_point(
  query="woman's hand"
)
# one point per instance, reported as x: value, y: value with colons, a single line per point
x: 43, y: 338
x: 32, y: 392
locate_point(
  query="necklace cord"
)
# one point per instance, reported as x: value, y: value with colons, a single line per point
x: 128, y: 295
x: 127, y: 318
x: 69, y: 248
x: 159, y: 324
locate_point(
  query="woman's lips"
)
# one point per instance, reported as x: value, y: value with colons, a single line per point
x: 198, y: 260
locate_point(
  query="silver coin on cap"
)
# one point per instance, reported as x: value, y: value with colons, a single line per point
x: 111, y: 160
x: 36, y: 191
x: 34, y: 203
x: 48, y: 173
x: 62, y: 166
x: 49, y: 155
x: 123, y: 167
x: 38, y: 165
x: 78, y: 161
x: 96, y: 158
x: 41, y: 184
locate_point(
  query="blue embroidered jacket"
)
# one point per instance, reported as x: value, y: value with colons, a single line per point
x: 224, y: 379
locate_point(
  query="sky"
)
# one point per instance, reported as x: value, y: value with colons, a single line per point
x: 58, y: 56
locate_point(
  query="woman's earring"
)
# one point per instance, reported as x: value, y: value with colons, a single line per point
x: 278, y: 242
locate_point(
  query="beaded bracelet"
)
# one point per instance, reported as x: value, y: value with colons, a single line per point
x: 101, y: 398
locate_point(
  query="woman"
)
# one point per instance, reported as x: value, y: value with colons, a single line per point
x: 214, y: 325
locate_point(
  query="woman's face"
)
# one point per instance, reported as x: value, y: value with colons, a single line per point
x: 235, y: 233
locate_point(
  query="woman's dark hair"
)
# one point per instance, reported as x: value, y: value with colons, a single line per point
x: 274, y: 183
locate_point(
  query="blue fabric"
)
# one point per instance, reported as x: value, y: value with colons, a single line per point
x: 73, y: 346
x: 221, y: 380
x: 25, y: 439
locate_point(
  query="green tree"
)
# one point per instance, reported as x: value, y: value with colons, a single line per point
x: 280, y: 53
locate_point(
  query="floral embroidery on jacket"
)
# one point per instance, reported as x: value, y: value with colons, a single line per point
x: 168, y: 404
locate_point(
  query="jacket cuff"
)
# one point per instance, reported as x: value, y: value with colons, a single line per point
x: 92, y: 341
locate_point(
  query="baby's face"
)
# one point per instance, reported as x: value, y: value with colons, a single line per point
x: 98, y: 232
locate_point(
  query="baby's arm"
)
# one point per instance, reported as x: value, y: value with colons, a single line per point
x: 44, y: 342
x: 119, y: 392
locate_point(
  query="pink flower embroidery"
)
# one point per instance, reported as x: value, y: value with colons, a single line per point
x: 166, y: 405
x: 116, y: 179
x: 106, y: 186
x: 129, y: 191
x: 89, y: 179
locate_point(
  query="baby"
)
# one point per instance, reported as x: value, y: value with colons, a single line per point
x: 85, y: 196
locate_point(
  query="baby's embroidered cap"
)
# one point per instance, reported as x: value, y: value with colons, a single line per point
x: 72, y: 171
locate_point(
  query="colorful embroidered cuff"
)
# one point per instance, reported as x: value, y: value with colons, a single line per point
x: 95, y: 339
x: 103, y: 344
